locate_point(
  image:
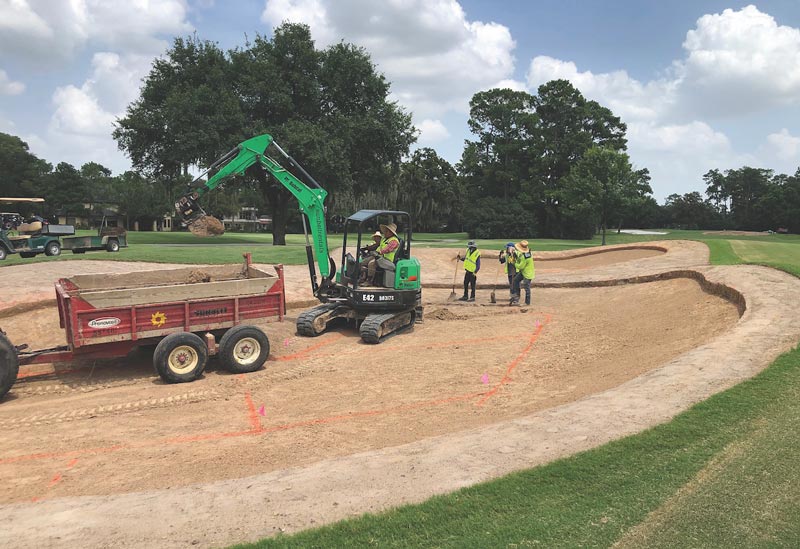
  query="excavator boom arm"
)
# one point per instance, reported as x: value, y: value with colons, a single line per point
x: 237, y: 161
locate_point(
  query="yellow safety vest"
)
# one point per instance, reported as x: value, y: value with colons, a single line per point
x: 509, y: 261
x: 384, y: 242
x: 471, y: 260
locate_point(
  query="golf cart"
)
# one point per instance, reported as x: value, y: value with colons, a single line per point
x: 34, y: 237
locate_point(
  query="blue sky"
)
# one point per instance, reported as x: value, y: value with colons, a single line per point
x: 701, y: 85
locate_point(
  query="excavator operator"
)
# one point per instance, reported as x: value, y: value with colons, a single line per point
x: 383, y: 255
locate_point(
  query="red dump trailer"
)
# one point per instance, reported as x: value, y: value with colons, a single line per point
x: 181, y: 311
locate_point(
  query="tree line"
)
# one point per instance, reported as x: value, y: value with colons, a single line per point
x: 549, y: 164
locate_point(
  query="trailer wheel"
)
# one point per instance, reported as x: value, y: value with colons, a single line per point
x: 52, y: 248
x: 9, y: 365
x: 243, y: 349
x: 27, y: 254
x: 3, y: 253
x: 180, y: 357
x: 112, y: 246
x: 79, y: 251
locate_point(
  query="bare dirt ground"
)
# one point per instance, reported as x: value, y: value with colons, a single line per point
x: 332, y: 396
x: 333, y: 427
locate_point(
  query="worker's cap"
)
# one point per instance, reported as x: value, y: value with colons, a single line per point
x: 509, y: 244
x: 471, y: 244
x: 377, y: 234
x: 522, y: 246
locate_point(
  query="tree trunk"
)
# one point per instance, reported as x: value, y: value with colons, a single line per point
x: 604, y: 234
x: 278, y: 201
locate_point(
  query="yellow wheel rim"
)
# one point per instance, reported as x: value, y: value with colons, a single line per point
x: 183, y: 359
x: 246, y: 351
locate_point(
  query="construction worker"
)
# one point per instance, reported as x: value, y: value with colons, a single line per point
x: 376, y: 242
x: 507, y: 260
x: 472, y: 264
x: 385, y: 251
x: 523, y: 261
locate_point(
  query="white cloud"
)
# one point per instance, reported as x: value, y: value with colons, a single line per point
x: 740, y: 61
x: 49, y: 31
x: 625, y: 96
x: 8, y: 86
x: 435, y: 58
x: 508, y: 83
x: 736, y: 62
x: 431, y: 132
x: 784, y: 145
x: 81, y: 125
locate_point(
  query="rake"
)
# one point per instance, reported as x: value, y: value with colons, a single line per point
x: 452, y: 295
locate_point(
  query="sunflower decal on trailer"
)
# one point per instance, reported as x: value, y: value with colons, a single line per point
x: 158, y: 319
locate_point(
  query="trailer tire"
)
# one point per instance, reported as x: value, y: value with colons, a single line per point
x: 9, y: 365
x: 3, y: 253
x: 26, y: 255
x: 112, y: 246
x: 79, y: 251
x: 243, y: 349
x: 180, y: 357
x: 53, y: 248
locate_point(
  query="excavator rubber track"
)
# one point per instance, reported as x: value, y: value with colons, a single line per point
x: 311, y: 323
x: 378, y: 327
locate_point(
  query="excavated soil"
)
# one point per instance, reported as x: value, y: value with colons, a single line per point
x: 206, y: 226
x: 107, y: 427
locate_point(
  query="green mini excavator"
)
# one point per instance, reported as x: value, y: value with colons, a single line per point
x: 390, y: 303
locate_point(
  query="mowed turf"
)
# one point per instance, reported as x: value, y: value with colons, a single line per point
x: 781, y: 255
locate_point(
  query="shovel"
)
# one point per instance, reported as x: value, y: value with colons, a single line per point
x: 492, y: 297
x: 452, y: 295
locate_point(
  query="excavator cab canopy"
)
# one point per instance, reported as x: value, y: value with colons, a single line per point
x: 362, y: 224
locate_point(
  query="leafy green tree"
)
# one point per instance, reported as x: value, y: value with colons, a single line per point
x: 66, y: 191
x: 23, y: 174
x: 329, y: 108
x: 599, y: 187
x: 690, y: 211
x: 570, y: 125
x: 139, y: 199
x: 186, y: 114
x: 428, y: 190
x: 505, y: 125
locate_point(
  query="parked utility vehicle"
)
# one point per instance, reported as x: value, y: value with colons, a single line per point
x: 110, y: 239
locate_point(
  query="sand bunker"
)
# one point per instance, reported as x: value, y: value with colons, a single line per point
x: 333, y: 395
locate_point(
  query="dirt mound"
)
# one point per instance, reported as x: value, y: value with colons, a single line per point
x: 198, y: 276
x: 206, y: 226
x: 444, y: 314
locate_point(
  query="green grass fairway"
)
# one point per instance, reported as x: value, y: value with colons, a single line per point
x: 781, y: 255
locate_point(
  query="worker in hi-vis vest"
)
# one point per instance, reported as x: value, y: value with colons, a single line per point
x: 507, y: 259
x: 472, y: 264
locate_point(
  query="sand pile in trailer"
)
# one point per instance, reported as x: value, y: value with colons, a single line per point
x: 207, y: 226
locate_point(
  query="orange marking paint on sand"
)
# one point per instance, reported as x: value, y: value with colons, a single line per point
x: 252, y: 414
x: 304, y: 353
x: 56, y: 478
x: 258, y: 429
x: 514, y: 363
